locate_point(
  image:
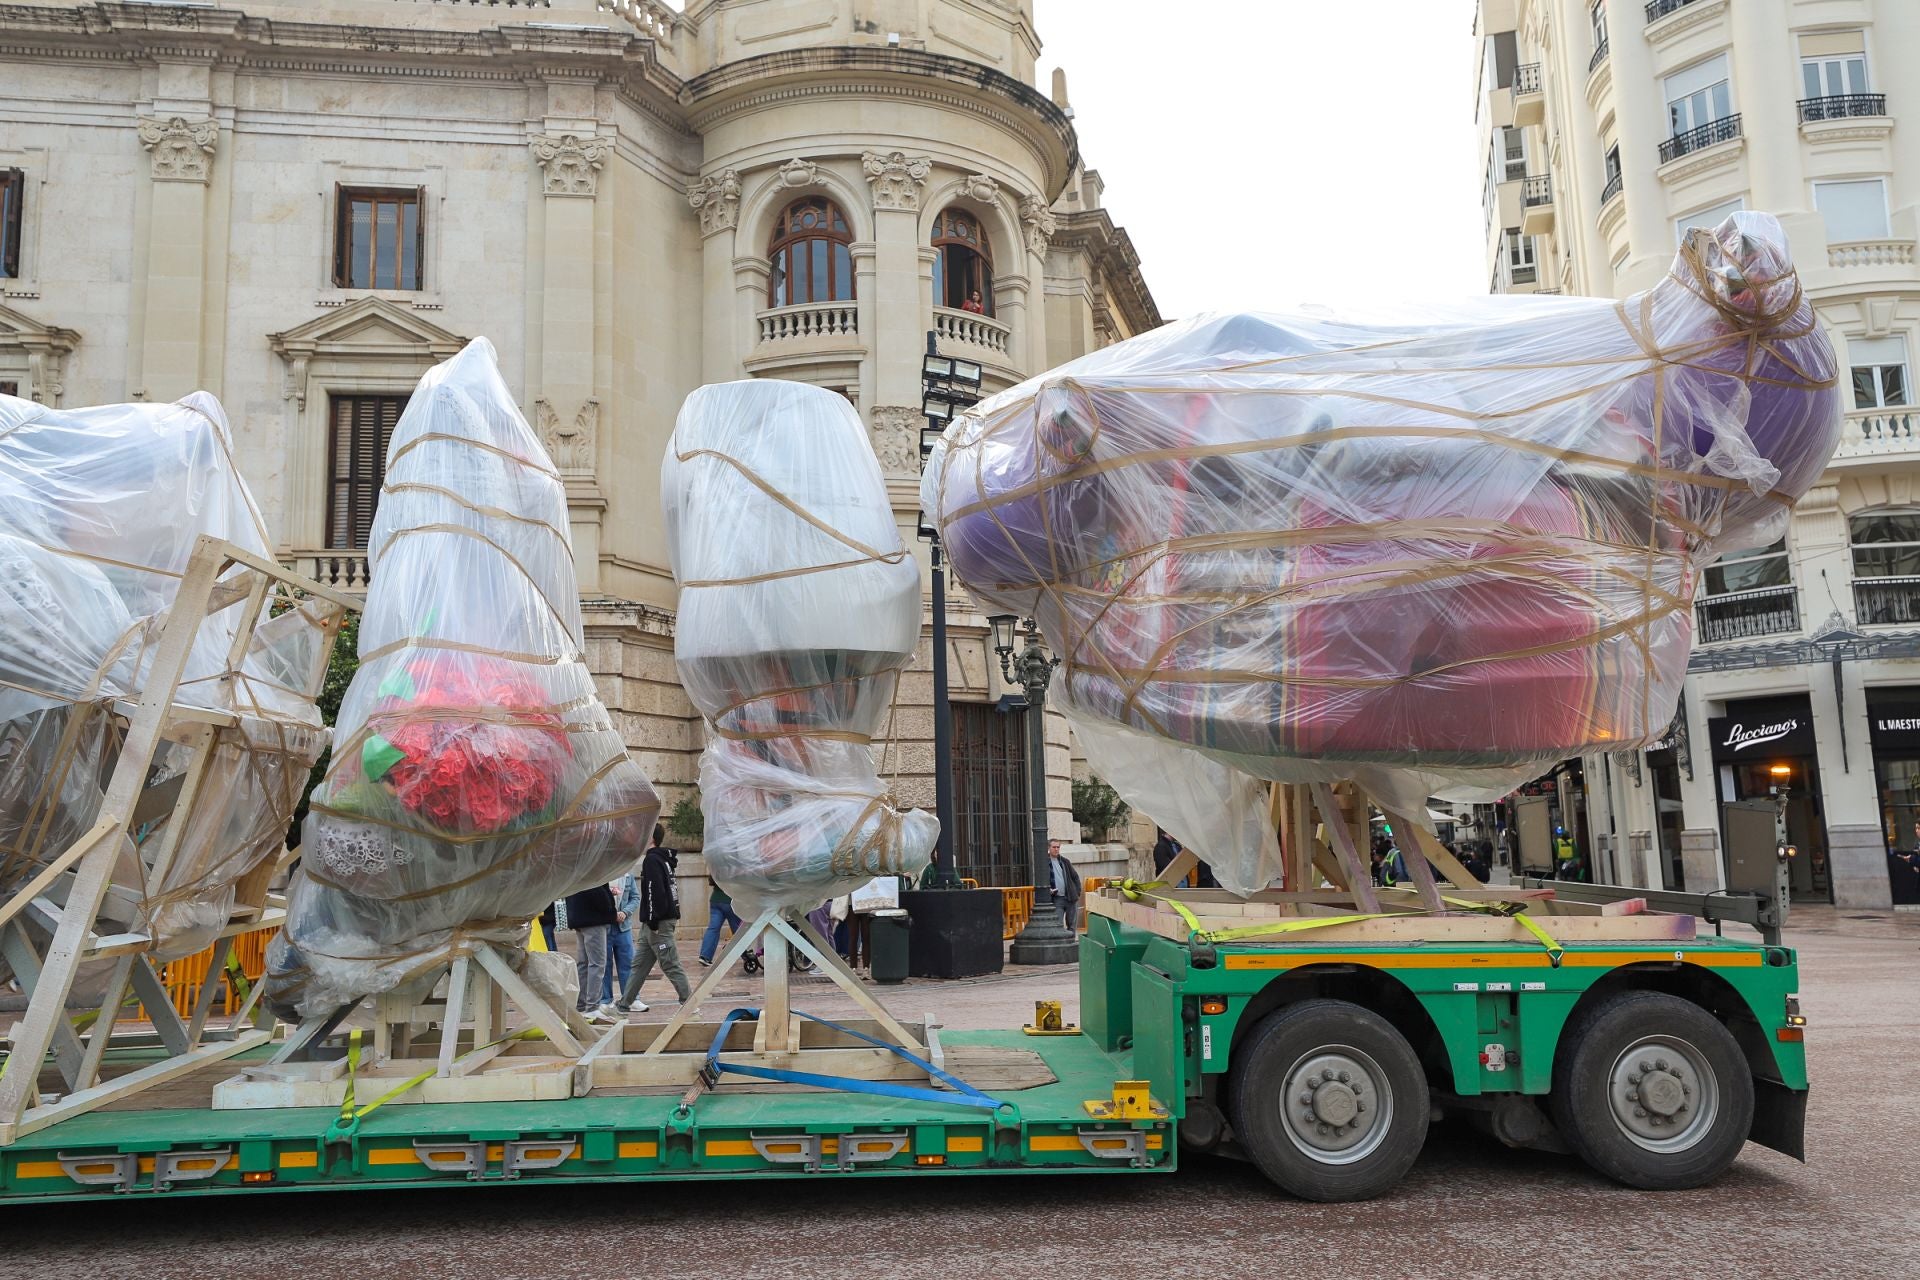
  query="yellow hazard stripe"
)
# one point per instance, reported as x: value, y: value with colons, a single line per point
x: 1071, y: 1141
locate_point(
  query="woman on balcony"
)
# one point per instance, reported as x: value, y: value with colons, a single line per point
x: 974, y: 304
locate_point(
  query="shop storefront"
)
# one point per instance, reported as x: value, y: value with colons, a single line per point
x: 1893, y: 722
x: 1763, y: 749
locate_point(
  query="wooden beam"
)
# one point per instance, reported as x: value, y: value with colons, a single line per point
x: 821, y: 952
x: 1436, y: 853
x: 736, y: 947
x: 538, y: 1011
x: 1417, y: 862
x: 1359, y: 875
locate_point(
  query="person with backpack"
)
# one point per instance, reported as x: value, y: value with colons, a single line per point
x: 656, y: 938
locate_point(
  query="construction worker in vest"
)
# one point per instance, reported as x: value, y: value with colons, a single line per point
x: 1563, y: 854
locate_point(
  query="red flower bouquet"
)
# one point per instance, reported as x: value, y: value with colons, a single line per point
x: 471, y: 749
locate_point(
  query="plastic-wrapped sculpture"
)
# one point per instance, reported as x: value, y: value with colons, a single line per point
x: 799, y: 608
x: 1430, y: 557
x: 475, y: 777
x: 100, y: 510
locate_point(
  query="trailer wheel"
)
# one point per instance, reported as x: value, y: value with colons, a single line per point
x: 1330, y: 1101
x: 1653, y: 1091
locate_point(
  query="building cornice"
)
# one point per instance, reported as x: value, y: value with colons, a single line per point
x: 1848, y: 129
x: 794, y: 75
x: 1721, y: 155
x: 1092, y: 232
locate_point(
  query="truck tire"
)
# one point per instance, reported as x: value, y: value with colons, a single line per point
x: 1652, y: 1091
x: 1330, y: 1101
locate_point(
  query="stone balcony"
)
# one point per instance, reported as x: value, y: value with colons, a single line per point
x: 1872, y: 436
x: 967, y: 329
x: 816, y: 341
x: 340, y: 568
x: 810, y: 322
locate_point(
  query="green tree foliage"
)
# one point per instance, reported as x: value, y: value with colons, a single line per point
x: 687, y: 821
x: 341, y: 664
x: 1098, y: 807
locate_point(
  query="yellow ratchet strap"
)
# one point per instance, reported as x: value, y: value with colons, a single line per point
x: 1517, y: 912
x: 348, y: 1124
x: 1135, y: 890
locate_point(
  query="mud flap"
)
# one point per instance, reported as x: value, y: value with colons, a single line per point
x: 1780, y: 1118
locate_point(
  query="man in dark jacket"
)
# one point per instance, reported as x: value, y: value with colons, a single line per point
x: 590, y: 914
x: 659, y: 924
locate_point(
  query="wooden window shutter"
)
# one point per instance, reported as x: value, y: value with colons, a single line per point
x: 340, y: 221
x: 420, y: 238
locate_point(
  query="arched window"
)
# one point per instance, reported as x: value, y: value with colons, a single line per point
x: 963, y: 271
x: 810, y: 255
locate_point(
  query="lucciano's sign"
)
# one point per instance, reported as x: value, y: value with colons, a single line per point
x: 1745, y: 737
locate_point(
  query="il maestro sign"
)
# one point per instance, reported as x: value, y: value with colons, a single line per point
x: 1894, y: 726
x: 1760, y: 737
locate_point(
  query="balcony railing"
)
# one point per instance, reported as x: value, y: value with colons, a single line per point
x: 1599, y: 56
x: 1527, y: 79
x: 1843, y: 106
x: 1881, y: 602
x: 1871, y: 253
x: 1742, y: 615
x: 810, y: 320
x: 1725, y: 129
x: 950, y: 325
x: 1874, y: 433
x: 1612, y: 188
x: 1536, y: 191
x: 341, y: 569
x: 1658, y: 9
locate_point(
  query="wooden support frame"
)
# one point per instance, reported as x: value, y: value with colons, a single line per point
x: 74, y: 901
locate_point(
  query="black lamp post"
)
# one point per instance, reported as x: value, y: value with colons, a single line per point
x: 947, y: 385
x: 1046, y: 938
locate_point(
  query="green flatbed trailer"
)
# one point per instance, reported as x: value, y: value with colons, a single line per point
x: 1324, y: 1063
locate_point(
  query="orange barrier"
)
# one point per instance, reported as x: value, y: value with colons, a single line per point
x: 186, y: 976
x: 1016, y: 908
x: 1089, y: 885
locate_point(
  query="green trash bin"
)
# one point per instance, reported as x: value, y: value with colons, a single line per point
x: 887, y: 938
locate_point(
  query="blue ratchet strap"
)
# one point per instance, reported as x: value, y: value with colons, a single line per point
x: 965, y: 1096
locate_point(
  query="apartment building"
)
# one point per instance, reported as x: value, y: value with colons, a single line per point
x: 1611, y: 128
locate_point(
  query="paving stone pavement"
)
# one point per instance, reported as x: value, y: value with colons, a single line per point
x: 1469, y: 1208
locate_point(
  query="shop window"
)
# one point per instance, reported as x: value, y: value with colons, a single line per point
x: 13, y: 195
x: 1753, y: 570
x: 358, y: 429
x: 962, y: 271
x: 1879, y: 372
x: 810, y: 256
x: 379, y: 237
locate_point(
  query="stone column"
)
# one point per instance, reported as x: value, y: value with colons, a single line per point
x: 1037, y: 226
x: 717, y: 198
x: 1640, y: 122
x: 897, y: 180
x: 181, y: 151
x: 570, y: 411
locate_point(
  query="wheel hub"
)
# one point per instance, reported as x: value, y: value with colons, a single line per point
x: 1663, y: 1094
x: 1337, y: 1104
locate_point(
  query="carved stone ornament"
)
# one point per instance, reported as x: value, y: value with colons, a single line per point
x: 799, y: 173
x: 896, y: 438
x: 980, y: 187
x: 717, y: 197
x: 570, y: 445
x: 896, y: 178
x: 572, y: 162
x: 1038, y: 219
x: 181, y: 151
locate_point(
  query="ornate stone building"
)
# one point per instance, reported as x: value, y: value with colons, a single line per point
x: 300, y: 205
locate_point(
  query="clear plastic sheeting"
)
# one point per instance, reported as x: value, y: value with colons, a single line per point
x: 799, y: 608
x: 100, y: 511
x: 1431, y: 557
x: 476, y: 776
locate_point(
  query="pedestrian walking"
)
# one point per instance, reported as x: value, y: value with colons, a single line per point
x: 590, y: 914
x: 626, y: 905
x: 719, y: 911
x: 656, y: 938
x: 1066, y: 885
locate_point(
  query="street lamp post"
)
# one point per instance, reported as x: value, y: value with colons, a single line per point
x: 1046, y: 938
x: 946, y: 385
